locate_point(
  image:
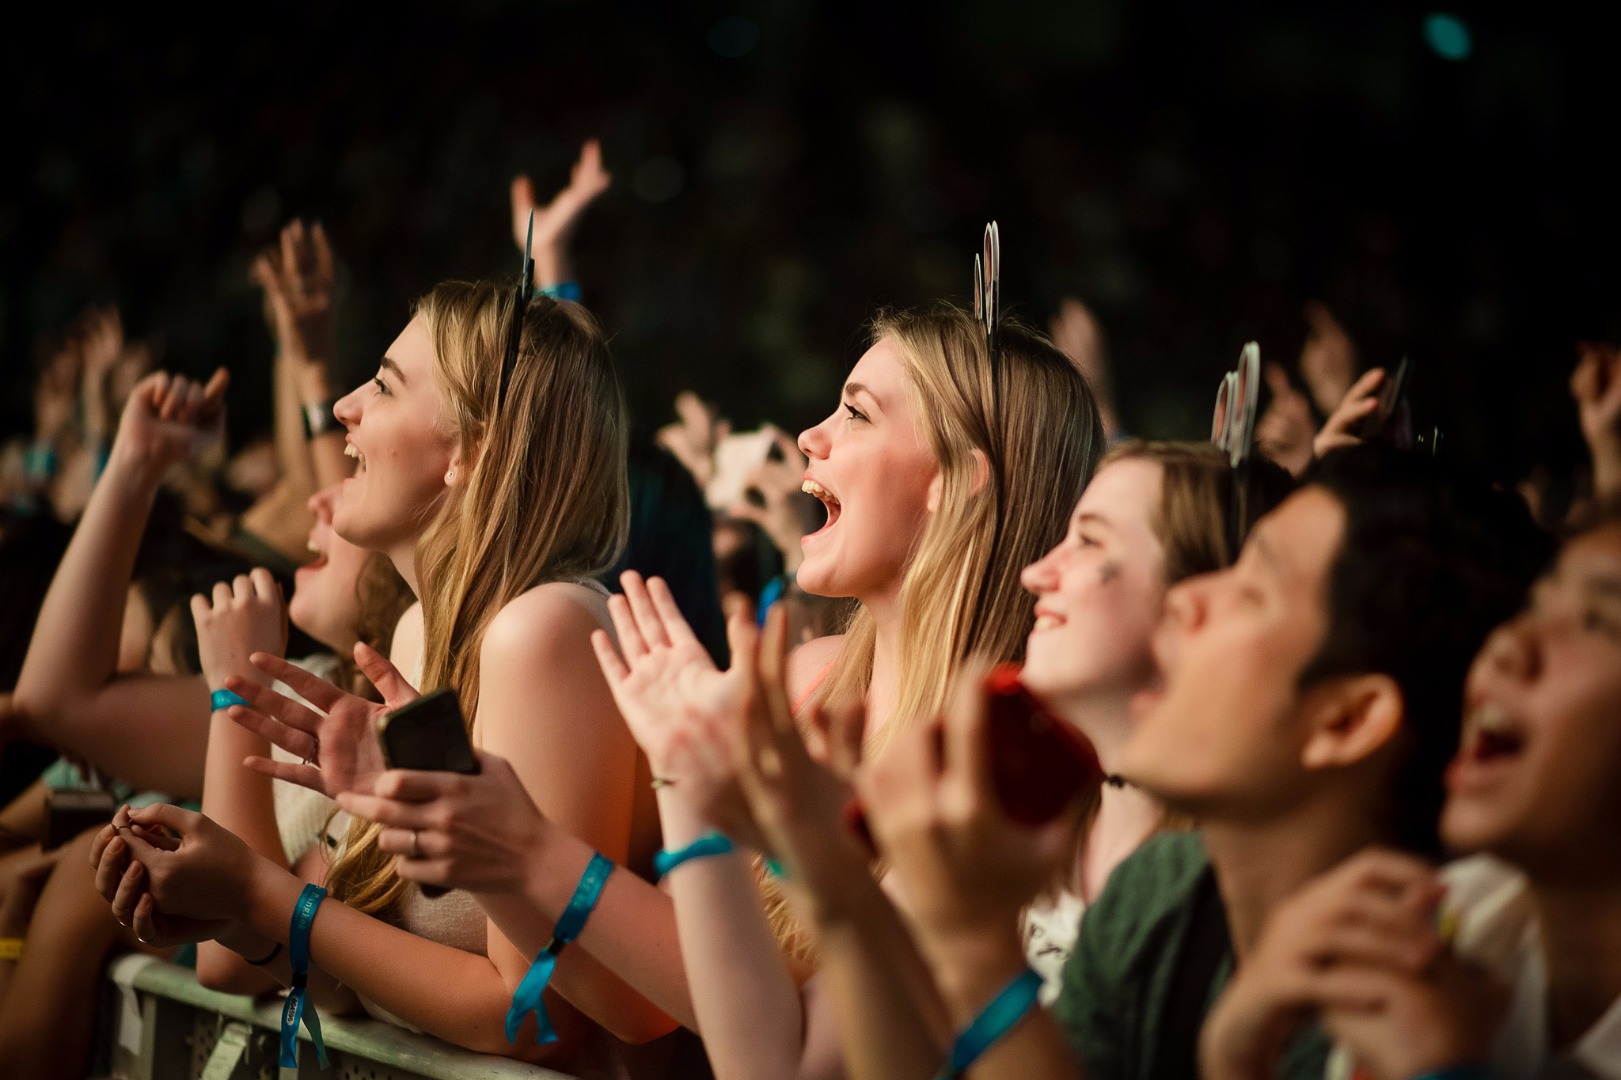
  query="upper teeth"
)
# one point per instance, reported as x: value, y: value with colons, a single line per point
x: 1491, y: 718
x: 811, y: 487
x: 313, y: 546
x: 351, y: 450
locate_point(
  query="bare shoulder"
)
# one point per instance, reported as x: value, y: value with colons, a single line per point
x: 807, y: 663
x: 405, y: 647
x: 556, y: 617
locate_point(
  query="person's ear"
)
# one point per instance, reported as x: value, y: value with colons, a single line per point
x: 982, y: 476
x: 462, y: 460
x: 1352, y: 719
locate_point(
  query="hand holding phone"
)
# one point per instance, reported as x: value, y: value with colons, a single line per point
x: 428, y: 734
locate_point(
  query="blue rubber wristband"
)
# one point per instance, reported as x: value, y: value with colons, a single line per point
x: 527, y: 997
x: 710, y: 843
x: 224, y: 699
x: 995, y: 1020
x: 563, y: 290
x: 297, y: 1007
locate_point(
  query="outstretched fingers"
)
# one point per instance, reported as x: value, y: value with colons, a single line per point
x: 383, y: 675
x: 291, y: 771
x: 313, y: 689
x: 675, y: 626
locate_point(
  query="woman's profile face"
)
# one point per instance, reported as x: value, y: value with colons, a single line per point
x: 1099, y: 592
x: 325, y: 604
x: 396, y: 430
x: 871, y: 468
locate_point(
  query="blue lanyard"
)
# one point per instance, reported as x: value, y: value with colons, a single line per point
x: 527, y: 997
x: 298, y: 954
x: 995, y: 1020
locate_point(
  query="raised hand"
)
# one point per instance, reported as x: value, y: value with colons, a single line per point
x: 556, y: 221
x: 1327, y: 359
x: 694, y: 436
x: 300, y: 281
x: 683, y: 711
x: 336, y: 741
x: 966, y: 869
x: 476, y: 832
x: 1284, y: 431
x: 799, y: 789
x: 1374, y: 911
x: 169, y: 417
x: 1360, y: 401
x: 246, y: 616
x: 772, y: 498
x: 1075, y: 331
x: 102, y: 340
x: 54, y: 393
x: 1596, y: 386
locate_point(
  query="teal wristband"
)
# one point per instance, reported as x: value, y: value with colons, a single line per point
x: 527, y: 997
x: 224, y: 699
x: 40, y: 463
x: 710, y: 843
x: 995, y: 1020
x: 297, y: 1007
x: 563, y: 290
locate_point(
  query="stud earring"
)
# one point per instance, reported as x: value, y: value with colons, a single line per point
x: 450, y: 476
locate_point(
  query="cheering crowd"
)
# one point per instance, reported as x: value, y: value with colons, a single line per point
x: 961, y: 735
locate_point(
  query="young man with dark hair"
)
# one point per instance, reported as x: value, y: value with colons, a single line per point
x: 1529, y: 976
x: 1309, y: 705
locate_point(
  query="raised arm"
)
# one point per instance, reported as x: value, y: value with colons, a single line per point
x: 556, y: 221
x: 242, y: 617
x: 148, y: 731
x: 967, y: 872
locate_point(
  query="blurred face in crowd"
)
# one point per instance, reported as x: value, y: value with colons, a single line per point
x: 324, y: 603
x: 403, y: 447
x: 871, y: 468
x: 1225, y: 732
x: 1099, y: 593
x: 1535, y: 777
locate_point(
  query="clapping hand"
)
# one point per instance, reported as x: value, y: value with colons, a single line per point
x: 685, y: 713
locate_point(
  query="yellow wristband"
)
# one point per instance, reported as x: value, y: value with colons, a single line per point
x: 11, y: 948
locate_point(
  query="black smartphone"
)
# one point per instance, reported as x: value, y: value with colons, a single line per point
x: 1390, y: 421
x: 430, y: 734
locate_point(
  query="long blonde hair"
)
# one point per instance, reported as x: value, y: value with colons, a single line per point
x: 1037, y: 425
x: 544, y: 498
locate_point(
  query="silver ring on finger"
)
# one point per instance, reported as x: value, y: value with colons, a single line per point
x: 416, y: 848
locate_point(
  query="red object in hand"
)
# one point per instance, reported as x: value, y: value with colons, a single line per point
x: 1039, y: 763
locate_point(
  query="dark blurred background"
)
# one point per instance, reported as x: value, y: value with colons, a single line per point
x: 781, y: 169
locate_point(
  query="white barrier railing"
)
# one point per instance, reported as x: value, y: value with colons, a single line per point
x: 159, y: 1023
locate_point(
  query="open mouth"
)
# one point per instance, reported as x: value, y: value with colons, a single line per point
x: 353, y: 451
x: 317, y: 552
x: 1046, y: 620
x: 1490, y: 734
x: 827, y: 499
x: 1492, y: 742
